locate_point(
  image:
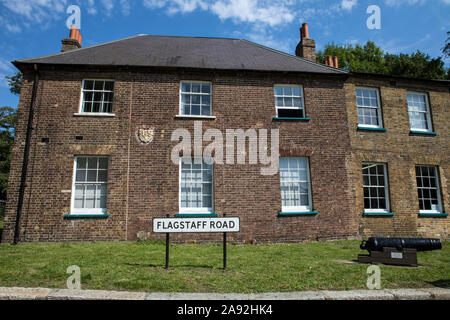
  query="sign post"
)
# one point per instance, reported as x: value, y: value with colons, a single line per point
x: 196, y: 225
x: 167, y: 248
x: 224, y: 248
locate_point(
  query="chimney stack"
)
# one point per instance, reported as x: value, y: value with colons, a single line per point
x: 332, y: 61
x: 74, y: 40
x: 306, y: 48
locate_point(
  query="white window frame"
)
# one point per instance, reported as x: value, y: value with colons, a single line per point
x: 291, y: 209
x: 438, y: 190
x: 81, y: 112
x: 85, y: 211
x: 195, y: 210
x: 180, y: 109
x: 427, y: 112
x: 302, y: 98
x: 380, y: 116
x: 386, y: 189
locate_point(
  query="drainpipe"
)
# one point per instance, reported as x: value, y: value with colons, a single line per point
x: 26, y: 154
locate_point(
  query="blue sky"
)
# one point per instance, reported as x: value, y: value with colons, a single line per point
x: 30, y: 28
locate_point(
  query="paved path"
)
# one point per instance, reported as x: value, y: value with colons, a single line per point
x: 66, y: 294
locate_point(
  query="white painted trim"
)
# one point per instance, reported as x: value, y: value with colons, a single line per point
x: 380, y: 110
x: 93, y: 211
x: 438, y: 190
x: 80, y: 107
x: 302, y: 97
x: 211, y: 100
x: 194, y: 117
x: 300, y: 208
x: 94, y: 114
x: 428, y: 112
x: 386, y: 189
x: 194, y: 210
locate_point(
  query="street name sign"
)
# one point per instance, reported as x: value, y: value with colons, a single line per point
x: 196, y: 225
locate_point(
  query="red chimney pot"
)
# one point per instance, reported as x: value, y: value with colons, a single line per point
x: 305, y: 30
x: 335, y: 62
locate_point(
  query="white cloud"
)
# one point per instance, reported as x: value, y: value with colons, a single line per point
x: 126, y: 7
x: 36, y: 10
x: 272, y: 13
x: 348, y: 4
x: 397, y: 3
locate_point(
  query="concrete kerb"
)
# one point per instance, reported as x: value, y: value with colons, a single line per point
x: 67, y: 294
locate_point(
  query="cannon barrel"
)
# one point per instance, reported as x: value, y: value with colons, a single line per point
x: 377, y: 244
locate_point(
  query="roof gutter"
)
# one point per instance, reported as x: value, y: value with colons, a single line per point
x: 26, y: 156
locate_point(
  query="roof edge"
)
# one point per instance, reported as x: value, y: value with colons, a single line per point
x: 296, y: 57
x: 30, y: 60
x: 380, y: 75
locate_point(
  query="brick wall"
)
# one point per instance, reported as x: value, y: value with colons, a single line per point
x: 143, y: 182
x: 401, y: 151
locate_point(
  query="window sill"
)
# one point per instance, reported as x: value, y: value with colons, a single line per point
x: 181, y: 116
x: 196, y: 215
x: 383, y: 214
x: 306, y: 213
x: 433, y: 215
x: 290, y: 119
x: 427, y: 133
x: 371, y: 129
x: 86, y: 216
x: 93, y: 114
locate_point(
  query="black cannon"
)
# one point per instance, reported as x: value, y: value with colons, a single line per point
x: 397, y: 251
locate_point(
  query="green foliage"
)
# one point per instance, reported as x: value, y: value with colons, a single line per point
x: 8, y: 120
x: 15, y: 82
x: 372, y: 59
x: 446, y: 49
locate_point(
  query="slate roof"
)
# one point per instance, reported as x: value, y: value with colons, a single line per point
x: 184, y: 52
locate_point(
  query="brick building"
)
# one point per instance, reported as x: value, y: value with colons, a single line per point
x: 93, y: 151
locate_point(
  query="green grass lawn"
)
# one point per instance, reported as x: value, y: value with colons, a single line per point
x: 139, y: 266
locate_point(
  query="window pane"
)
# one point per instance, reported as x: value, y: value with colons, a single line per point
x: 186, y: 87
x: 88, y: 85
x: 92, y: 163
x: 206, y: 88
x: 290, y: 113
x: 196, y: 87
x: 195, y: 109
x: 91, y: 176
x: 102, y: 175
x: 98, y: 85
x: 80, y: 176
x: 278, y: 91
x: 88, y: 96
x: 109, y: 85
x: 103, y: 163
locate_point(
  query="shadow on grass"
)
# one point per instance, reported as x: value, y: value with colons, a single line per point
x: 441, y: 283
x: 171, y: 266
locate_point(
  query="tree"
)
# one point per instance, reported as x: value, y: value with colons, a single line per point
x: 15, y: 82
x: 446, y: 49
x: 372, y: 59
x: 8, y: 120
